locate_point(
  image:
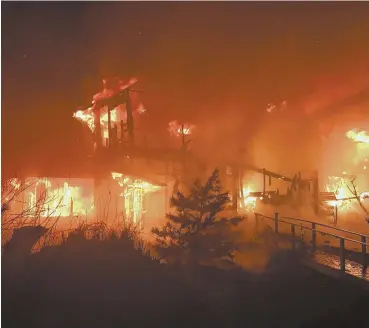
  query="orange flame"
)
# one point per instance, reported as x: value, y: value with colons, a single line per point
x: 117, y: 115
x: 47, y: 197
x: 177, y: 129
x: 133, y: 194
x: 339, y: 185
x: 249, y: 202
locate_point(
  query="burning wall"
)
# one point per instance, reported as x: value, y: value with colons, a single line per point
x: 121, y: 197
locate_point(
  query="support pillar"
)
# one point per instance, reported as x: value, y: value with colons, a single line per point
x: 98, y: 136
x: 316, y: 193
x: 130, y: 121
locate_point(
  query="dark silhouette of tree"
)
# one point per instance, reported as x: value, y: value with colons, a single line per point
x: 195, y: 233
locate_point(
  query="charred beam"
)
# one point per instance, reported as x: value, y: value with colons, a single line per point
x: 130, y: 122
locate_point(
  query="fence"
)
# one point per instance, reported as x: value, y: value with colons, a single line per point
x: 313, y: 227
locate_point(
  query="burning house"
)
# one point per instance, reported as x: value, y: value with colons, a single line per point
x: 122, y: 177
x: 112, y: 180
x: 344, y: 158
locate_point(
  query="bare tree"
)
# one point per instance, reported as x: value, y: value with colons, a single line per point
x: 352, y: 187
x: 17, y: 213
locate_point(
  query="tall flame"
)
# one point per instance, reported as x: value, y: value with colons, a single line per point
x: 249, y: 202
x: 46, y: 197
x: 133, y: 192
x: 117, y: 115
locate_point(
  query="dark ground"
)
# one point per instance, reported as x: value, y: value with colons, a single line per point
x: 109, y: 284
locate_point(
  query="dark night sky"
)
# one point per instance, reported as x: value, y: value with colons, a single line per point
x: 193, y: 59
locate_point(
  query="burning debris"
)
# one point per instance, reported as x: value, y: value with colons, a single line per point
x: 344, y: 186
x: 248, y: 200
x: 178, y: 129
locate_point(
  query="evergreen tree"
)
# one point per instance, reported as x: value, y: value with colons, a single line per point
x: 194, y: 232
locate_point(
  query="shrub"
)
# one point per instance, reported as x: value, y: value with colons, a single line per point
x: 195, y: 233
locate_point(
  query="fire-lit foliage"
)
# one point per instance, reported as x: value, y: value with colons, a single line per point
x: 178, y: 129
x: 349, y: 198
x: 195, y: 233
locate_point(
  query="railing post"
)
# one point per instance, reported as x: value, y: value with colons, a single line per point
x: 293, y: 236
x: 313, y: 238
x: 342, y: 254
x: 276, y: 217
x: 363, y: 249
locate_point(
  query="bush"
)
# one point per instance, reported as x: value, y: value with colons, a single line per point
x: 195, y: 233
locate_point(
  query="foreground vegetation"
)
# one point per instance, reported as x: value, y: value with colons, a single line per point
x: 109, y: 277
x: 115, y: 283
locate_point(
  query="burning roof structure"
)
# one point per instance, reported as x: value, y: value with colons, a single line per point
x: 105, y: 183
x: 123, y: 178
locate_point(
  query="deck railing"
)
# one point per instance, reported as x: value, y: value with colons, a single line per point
x: 313, y: 227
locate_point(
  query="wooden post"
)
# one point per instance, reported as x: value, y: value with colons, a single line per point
x: 316, y: 192
x: 299, y: 189
x: 121, y: 132
x: 98, y: 137
x: 242, y: 196
x: 276, y: 217
x: 313, y: 238
x: 115, y: 136
x: 342, y: 254
x: 235, y: 186
x: 183, y: 138
x: 22, y: 195
x: 130, y: 122
x: 293, y: 236
x: 263, y: 182
x: 363, y: 250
